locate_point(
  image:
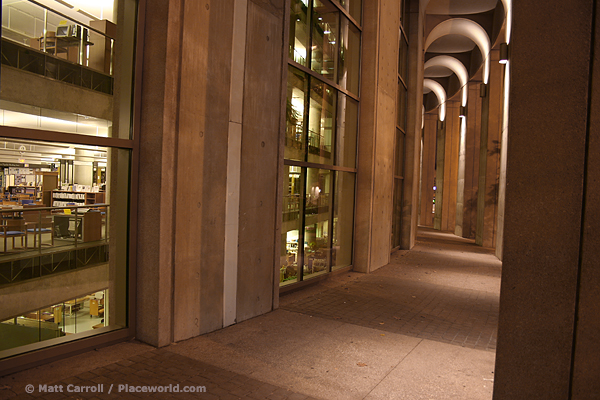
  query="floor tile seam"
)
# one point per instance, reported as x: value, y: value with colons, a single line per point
x: 393, y: 368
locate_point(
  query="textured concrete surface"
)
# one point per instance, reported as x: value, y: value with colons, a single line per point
x: 422, y: 327
x: 544, y: 198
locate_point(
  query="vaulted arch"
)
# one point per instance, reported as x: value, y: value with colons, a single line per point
x: 455, y: 66
x: 469, y: 29
x: 440, y: 93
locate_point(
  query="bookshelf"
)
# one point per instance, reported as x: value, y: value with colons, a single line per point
x: 61, y: 198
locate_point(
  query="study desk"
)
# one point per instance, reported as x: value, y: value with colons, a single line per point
x: 88, y: 224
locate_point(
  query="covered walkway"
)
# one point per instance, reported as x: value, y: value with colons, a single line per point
x: 422, y: 327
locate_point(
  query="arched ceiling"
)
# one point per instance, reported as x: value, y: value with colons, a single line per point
x: 459, y: 7
x: 452, y: 43
x: 439, y: 92
x: 467, y: 29
x: 454, y: 66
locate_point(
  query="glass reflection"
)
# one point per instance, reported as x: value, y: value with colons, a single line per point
x: 347, y: 128
x: 298, y: 31
x: 68, y: 317
x: 349, y: 63
x: 318, y: 207
x: 354, y: 7
x: 325, y: 39
x: 323, y: 99
x: 294, y: 133
x: 291, y: 225
x: 343, y: 220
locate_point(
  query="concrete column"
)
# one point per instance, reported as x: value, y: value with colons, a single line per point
x: 428, y: 169
x: 490, y: 155
x: 450, y: 165
x: 259, y: 159
x: 209, y: 156
x: 379, y: 83
x: 460, y: 186
x: 472, y: 160
x: 439, y: 174
x: 549, y: 296
x: 157, y: 177
x: 586, y: 369
x: 502, y: 162
x: 412, y: 141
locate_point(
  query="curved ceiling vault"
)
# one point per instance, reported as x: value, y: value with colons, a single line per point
x: 453, y: 45
x: 439, y: 92
x: 456, y: 67
x: 469, y: 29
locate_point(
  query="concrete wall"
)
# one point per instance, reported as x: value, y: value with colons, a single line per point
x: 379, y: 83
x: 548, y: 326
x: 208, y: 176
x: 28, y: 88
x: 44, y: 292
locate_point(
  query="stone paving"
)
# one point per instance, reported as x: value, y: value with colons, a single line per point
x: 458, y: 316
x: 158, y: 368
x: 422, y: 327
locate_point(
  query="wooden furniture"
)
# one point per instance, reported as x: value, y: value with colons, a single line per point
x: 96, y: 309
x: 88, y: 225
x: 38, y: 222
x: 65, y: 46
x: 58, y: 313
x: 101, y: 52
x: 13, y: 228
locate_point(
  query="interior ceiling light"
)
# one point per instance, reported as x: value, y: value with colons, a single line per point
x: 87, y: 14
x: 64, y: 3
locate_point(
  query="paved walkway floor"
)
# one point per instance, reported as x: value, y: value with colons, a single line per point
x: 422, y: 327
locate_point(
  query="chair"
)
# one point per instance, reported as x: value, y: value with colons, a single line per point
x: 14, y: 228
x: 33, y: 220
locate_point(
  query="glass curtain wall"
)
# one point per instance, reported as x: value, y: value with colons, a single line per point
x: 401, y: 103
x: 320, y: 138
x: 65, y: 171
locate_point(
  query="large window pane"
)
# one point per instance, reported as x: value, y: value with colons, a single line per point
x: 64, y: 204
x: 321, y: 120
x: 58, y: 227
x: 403, y: 58
x: 68, y: 44
x: 347, y: 128
x: 295, y: 136
x: 291, y: 225
x: 343, y: 220
x: 318, y: 208
x: 325, y: 36
x: 354, y: 7
x: 299, y: 31
x: 349, y: 65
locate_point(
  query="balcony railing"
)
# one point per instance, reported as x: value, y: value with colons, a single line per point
x: 38, y: 39
x: 40, y: 241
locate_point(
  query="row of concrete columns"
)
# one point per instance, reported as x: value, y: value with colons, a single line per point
x: 461, y: 162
